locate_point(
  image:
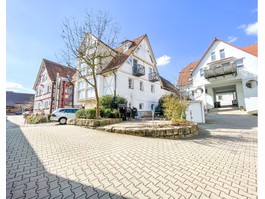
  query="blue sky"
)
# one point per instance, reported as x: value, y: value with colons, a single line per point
x: 179, y: 30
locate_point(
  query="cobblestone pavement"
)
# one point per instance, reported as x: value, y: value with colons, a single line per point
x: 54, y: 161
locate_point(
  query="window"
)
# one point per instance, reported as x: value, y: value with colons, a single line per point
x: 48, y: 89
x: 81, y: 94
x: 201, y: 72
x: 130, y: 81
x: 239, y: 63
x: 141, y: 106
x: 191, y: 69
x: 141, y: 85
x: 135, y: 62
x: 90, y: 93
x: 152, y: 88
x: 150, y: 70
x: 92, y: 82
x: 220, y: 97
x: 89, y: 71
x: 81, y: 85
x: 189, y: 79
x: 213, y: 56
x: 222, y: 54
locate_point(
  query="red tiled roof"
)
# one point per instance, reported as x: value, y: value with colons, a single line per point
x: 252, y: 49
x: 186, y: 73
x: 54, y: 68
x: 121, y: 56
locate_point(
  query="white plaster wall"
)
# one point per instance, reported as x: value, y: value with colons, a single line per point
x: 240, y: 94
x: 195, y: 112
x: 246, y: 97
x: 251, y: 96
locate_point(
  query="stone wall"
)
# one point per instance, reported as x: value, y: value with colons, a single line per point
x: 93, y: 122
x: 170, y: 132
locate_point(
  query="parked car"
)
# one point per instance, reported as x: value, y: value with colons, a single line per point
x: 62, y: 114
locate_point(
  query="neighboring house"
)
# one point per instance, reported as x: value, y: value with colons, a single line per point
x: 53, y: 87
x: 226, y: 75
x: 18, y: 102
x: 131, y: 73
x: 185, y: 79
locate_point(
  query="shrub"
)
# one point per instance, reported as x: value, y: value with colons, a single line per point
x: 80, y: 113
x: 107, y: 112
x: 106, y: 101
x: 49, y: 117
x: 174, y: 108
x: 37, y: 119
x: 114, y: 114
x: 86, y: 113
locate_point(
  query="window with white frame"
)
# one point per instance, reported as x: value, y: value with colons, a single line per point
x: 130, y: 82
x: 201, y: 72
x: 222, y: 54
x: 81, y: 95
x: 141, y: 85
x: 150, y: 70
x: 239, y: 63
x: 141, y: 106
x: 213, y: 57
x: 135, y: 62
x: 92, y: 82
x: 152, y: 88
x: 81, y: 85
x: 90, y: 93
x: 189, y: 79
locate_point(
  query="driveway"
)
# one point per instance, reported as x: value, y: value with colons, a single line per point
x: 54, y: 161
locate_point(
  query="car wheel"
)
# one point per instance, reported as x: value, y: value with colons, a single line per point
x: 62, y: 120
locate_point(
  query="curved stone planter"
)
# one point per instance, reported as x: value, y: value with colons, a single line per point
x: 170, y: 132
x: 93, y: 122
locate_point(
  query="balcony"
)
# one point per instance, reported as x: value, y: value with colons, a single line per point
x: 221, y: 68
x: 153, y: 77
x: 138, y: 70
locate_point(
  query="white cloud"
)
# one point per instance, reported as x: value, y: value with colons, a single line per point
x: 250, y: 29
x: 163, y: 60
x: 12, y: 86
x: 231, y: 39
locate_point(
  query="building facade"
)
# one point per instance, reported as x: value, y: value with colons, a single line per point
x: 53, y: 87
x: 131, y: 73
x: 226, y: 75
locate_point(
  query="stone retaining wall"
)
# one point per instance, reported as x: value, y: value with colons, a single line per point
x: 170, y: 132
x: 93, y: 122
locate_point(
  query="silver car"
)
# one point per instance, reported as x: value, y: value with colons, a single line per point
x: 62, y: 114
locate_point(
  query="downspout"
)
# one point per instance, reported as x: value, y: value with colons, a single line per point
x: 114, y: 100
x: 52, y: 97
x: 73, y: 90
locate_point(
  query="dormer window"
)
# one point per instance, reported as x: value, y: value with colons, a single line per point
x: 189, y: 79
x: 191, y: 69
x: 126, y: 47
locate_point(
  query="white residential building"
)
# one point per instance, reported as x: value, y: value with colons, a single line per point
x: 131, y: 73
x: 227, y: 75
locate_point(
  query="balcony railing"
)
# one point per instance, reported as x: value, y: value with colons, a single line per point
x: 138, y: 70
x: 221, y: 69
x: 153, y: 77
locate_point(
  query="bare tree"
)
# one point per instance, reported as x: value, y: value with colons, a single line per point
x: 89, y: 46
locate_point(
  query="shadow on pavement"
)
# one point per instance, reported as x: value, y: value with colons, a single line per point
x: 26, y: 176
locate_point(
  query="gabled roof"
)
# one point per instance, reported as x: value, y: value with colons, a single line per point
x: 186, y: 73
x: 167, y: 85
x: 248, y: 49
x: 121, y: 56
x: 52, y: 69
x: 252, y: 49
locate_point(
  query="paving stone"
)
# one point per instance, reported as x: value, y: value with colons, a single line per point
x: 73, y: 162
